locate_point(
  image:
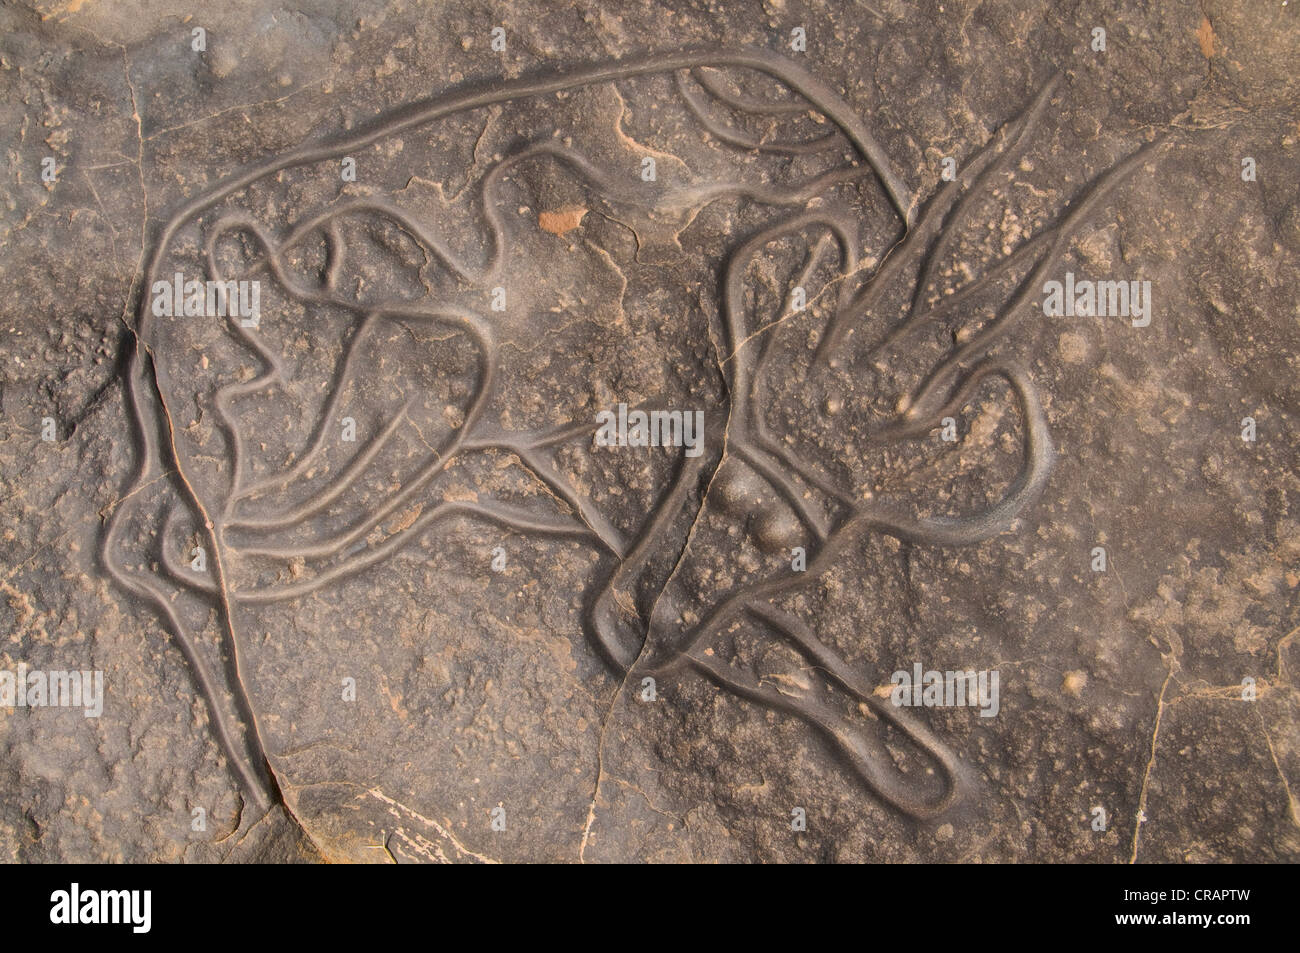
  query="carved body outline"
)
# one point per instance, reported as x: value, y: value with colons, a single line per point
x: 945, y: 388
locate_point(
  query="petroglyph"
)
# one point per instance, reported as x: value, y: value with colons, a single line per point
x: 407, y: 313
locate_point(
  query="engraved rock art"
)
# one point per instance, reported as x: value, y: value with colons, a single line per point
x: 290, y: 449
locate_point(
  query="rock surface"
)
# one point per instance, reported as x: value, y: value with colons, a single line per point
x: 363, y: 578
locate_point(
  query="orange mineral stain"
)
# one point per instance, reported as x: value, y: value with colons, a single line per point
x: 562, y: 220
x: 1205, y: 36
